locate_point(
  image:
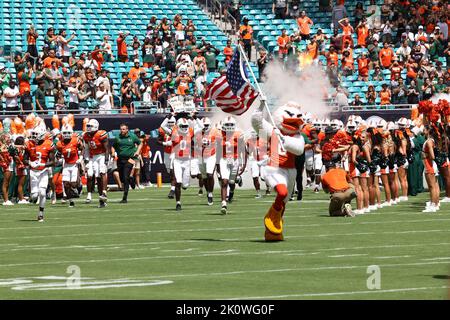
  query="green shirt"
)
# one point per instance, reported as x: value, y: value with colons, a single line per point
x: 126, y: 146
x: 305, y: 137
x: 210, y: 58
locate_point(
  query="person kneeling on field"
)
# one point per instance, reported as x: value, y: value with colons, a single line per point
x: 336, y: 182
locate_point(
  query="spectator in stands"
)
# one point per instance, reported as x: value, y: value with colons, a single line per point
x: 332, y: 56
x: 341, y: 97
x: 386, y: 55
x: 136, y: 45
x: 63, y: 47
x: 182, y: 83
x: 321, y: 39
x: 283, y: 45
x: 371, y: 95
x: 385, y: 11
x: 127, y: 93
x: 280, y: 8
x: 51, y: 58
x: 339, y: 12
x: 363, y: 67
x: 347, y: 63
x: 148, y: 56
x: 421, y: 35
x: 374, y: 15
x: 304, y: 25
x: 443, y: 27
x: 412, y: 93
x: 52, y: 77
x: 396, y: 69
x: 60, y: 102
x: 211, y: 54
x: 122, y: 53
x: 4, y: 78
x: 104, y: 99
x: 347, y: 31
x: 333, y: 74
x: 377, y: 75
x: 228, y: 52
x: 385, y: 95
x: 436, y: 49
x: 246, y: 35
x: 74, y: 95
x: 359, y: 13
x: 91, y: 63
x: 24, y: 76
x: 32, y: 36
x: 399, y: 92
x: 374, y: 53
x: 427, y: 89
x: 262, y: 62
x: 362, y: 32
x: 107, y: 49
x: 135, y: 71
x: 440, y: 86
x: 403, y: 52
x: 20, y: 61
x: 11, y: 94
x: 190, y: 29
x: 39, y: 97
x: 357, y: 101
x: 26, y: 101
x: 386, y: 32
x: 73, y: 60
x: 49, y: 41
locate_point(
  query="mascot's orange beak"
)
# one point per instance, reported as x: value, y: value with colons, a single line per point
x: 292, y: 124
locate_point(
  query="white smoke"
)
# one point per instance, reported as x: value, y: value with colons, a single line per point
x: 440, y: 96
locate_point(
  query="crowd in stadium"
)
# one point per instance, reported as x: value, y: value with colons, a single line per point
x: 410, y: 39
x: 168, y: 61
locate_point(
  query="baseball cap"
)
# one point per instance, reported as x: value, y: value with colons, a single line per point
x: 136, y: 60
x: 420, y: 27
x: 437, y: 27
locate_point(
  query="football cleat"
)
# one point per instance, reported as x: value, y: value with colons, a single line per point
x: 171, y: 194
x: 223, y: 210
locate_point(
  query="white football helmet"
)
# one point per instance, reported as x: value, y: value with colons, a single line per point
x: 317, y: 123
x: 372, y: 124
x: 335, y: 124
x: 66, y: 132
x: 55, y: 132
x: 391, y: 126
x: 326, y: 123
x: 38, y: 133
x: 229, y: 124
x: 92, y: 125
x: 171, y: 122
x: 206, y: 124
x: 351, y: 126
x: 307, y: 117
x: 183, y: 125
x: 382, y: 124
x: 402, y: 123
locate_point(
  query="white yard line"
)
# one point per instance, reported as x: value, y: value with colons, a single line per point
x: 344, y: 293
x: 348, y: 255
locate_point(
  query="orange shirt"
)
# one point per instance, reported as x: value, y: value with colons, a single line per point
x: 386, y: 56
x: 98, y: 56
x: 347, y: 30
x: 183, y: 85
x: 282, y: 43
x: 209, y: 143
x: 122, y: 46
x: 347, y: 62
x: 69, y: 150
x: 248, y: 35
x: 39, y: 152
x: 145, y: 151
x: 48, y: 62
x: 134, y: 73
x: 228, y: 53
x: 335, y: 180
x: 363, y: 67
x: 31, y: 39
x: 303, y: 25
x: 24, y: 82
x: 363, y: 33
x: 385, y: 97
x: 312, y: 49
x: 95, y: 142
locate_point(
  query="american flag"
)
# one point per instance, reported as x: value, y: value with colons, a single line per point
x: 232, y: 92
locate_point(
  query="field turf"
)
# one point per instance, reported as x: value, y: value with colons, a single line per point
x: 147, y: 250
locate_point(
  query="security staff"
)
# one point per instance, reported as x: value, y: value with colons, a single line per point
x: 128, y: 147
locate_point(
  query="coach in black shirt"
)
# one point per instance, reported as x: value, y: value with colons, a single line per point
x: 128, y: 147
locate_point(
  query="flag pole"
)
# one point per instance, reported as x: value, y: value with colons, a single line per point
x: 242, y: 52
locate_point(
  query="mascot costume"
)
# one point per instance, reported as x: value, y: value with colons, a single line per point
x: 286, y: 143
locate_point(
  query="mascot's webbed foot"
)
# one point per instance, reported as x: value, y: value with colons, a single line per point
x: 270, y: 237
x: 273, y: 220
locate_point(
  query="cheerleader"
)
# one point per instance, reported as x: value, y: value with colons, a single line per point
x: 444, y: 169
x: 431, y: 169
x: 403, y: 145
x: 375, y: 171
x: 7, y: 165
x: 393, y: 176
x: 384, y: 168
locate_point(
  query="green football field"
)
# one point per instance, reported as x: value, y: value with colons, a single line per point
x: 147, y: 250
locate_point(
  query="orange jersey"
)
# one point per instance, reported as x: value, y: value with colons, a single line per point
x: 165, y: 138
x: 230, y: 144
x: 182, y: 144
x: 209, y: 143
x: 278, y: 157
x: 69, y: 150
x: 39, y: 152
x: 321, y: 136
x: 257, y: 147
x: 95, y: 142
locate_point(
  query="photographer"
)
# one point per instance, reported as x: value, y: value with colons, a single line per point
x: 336, y: 182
